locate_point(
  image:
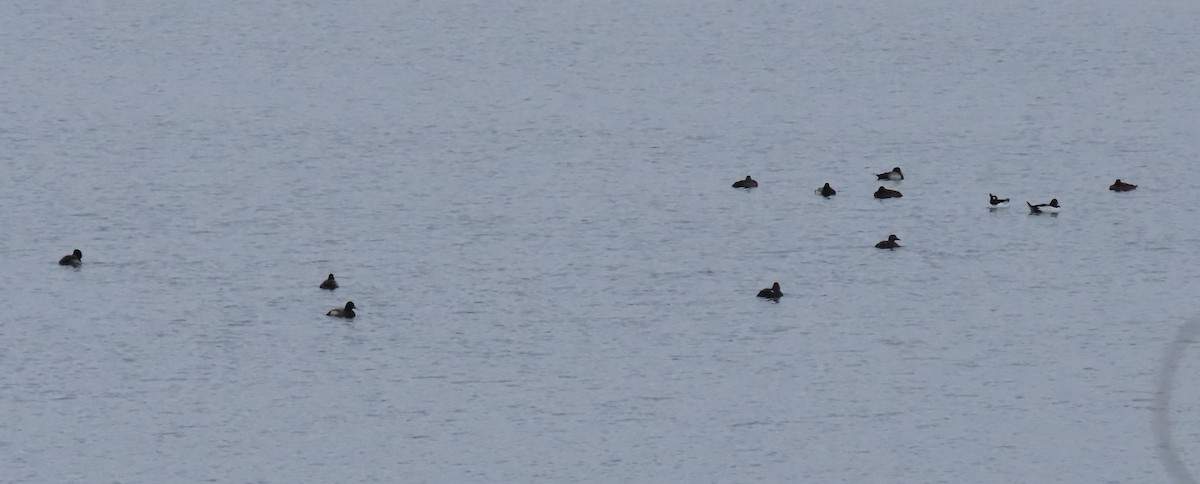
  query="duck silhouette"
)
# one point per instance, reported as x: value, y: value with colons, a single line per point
x: 886, y: 193
x: 890, y: 243
x: 345, y: 312
x: 1120, y: 186
x: 747, y: 183
x: 894, y: 175
x: 772, y: 292
x: 74, y: 259
x: 1051, y: 208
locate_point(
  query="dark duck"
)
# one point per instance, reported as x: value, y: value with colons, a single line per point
x: 772, y: 292
x: 826, y: 191
x: 996, y: 202
x: 747, y: 183
x: 74, y: 259
x: 890, y: 243
x: 886, y: 193
x: 1120, y: 186
x: 345, y: 312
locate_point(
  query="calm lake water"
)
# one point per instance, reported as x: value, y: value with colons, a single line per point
x: 531, y: 206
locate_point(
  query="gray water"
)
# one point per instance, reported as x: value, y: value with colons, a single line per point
x: 530, y: 204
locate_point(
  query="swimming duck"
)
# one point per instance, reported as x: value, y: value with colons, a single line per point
x: 772, y: 292
x: 997, y: 202
x: 885, y: 193
x: 329, y: 283
x: 894, y: 175
x: 74, y: 259
x: 826, y: 191
x: 1051, y: 208
x: 890, y: 243
x: 346, y: 312
x: 747, y: 183
x: 1120, y: 186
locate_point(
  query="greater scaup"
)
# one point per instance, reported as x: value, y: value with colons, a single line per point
x: 74, y: 259
x: 346, y: 312
x: 826, y: 191
x: 890, y: 243
x: 329, y: 283
x: 1051, y: 208
x: 894, y: 175
x: 772, y: 292
x: 886, y: 193
x: 747, y: 183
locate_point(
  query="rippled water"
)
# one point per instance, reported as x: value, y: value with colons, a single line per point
x: 530, y: 204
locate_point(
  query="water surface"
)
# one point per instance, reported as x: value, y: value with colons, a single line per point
x: 531, y: 206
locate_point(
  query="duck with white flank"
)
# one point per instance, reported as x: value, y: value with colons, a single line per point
x: 772, y: 292
x: 890, y: 243
x: 1120, y: 186
x: 747, y: 183
x: 1051, y: 208
x: 885, y: 193
x: 345, y: 312
x: 894, y: 175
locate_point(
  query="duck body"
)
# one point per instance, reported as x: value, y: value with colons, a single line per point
x: 329, y: 283
x: 772, y: 292
x: 826, y: 191
x: 995, y: 202
x: 894, y: 175
x: 345, y: 312
x: 886, y: 193
x: 74, y: 259
x: 747, y: 183
x: 1120, y: 186
x: 1051, y: 208
x: 890, y: 243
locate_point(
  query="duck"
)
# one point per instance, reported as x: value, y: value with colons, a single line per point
x: 747, y: 183
x: 826, y: 191
x: 894, y: 175
x: 890, y: 243
x: 329, y: 283
x: 885, y: 193
x: 772, y: 292
x: 346, y: 312
x: 995, y: 202
x: 1051, y: 208
x: 1120, y: 186
x: 74, y: 259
